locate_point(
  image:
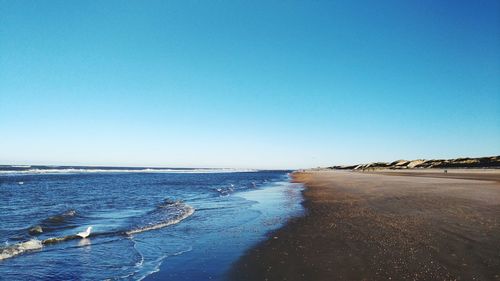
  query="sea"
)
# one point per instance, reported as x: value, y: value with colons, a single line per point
x: 146, y: 223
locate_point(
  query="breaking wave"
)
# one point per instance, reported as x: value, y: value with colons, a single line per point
x: 35, y: 171
x: 54, y: 223
x: 167, y: 213
x: 20, y: 248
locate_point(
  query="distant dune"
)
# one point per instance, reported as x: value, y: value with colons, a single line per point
x: 481, y: 162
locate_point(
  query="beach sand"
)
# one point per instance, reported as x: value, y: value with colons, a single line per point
x: 399, y: 225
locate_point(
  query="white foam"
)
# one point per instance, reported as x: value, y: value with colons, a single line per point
x: 79, y: 171
x: 188, y: 211
x: 20, y: 248
x: 159, y: 261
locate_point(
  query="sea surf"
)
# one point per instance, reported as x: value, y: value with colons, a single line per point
x: 147, y: 223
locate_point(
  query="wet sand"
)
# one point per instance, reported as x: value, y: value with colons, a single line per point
x: 422, y: 225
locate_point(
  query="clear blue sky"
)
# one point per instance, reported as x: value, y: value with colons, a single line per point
x: 265, y: 84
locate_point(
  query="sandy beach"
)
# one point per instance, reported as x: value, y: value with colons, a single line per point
x: 399, y: 225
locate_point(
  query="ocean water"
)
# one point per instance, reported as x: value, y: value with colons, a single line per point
x: 153, y: 224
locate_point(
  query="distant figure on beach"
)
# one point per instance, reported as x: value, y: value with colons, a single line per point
x: 445, y: 171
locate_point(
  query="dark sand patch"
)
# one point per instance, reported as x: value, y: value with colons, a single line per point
x: 362, y: 226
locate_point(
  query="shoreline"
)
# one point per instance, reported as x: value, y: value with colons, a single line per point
x: 382, y: 225
x: 257, y: 211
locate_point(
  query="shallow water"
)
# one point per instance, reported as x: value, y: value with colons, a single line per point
x: 190, y: 224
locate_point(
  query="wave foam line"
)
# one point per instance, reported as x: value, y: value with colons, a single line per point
x: 79, y: 171
x: 34, y: 244
x: 188, y: 211
x: 20, y: 248
x: 159, y: 261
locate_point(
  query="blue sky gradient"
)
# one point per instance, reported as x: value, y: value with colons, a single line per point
x: 263, y: 84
